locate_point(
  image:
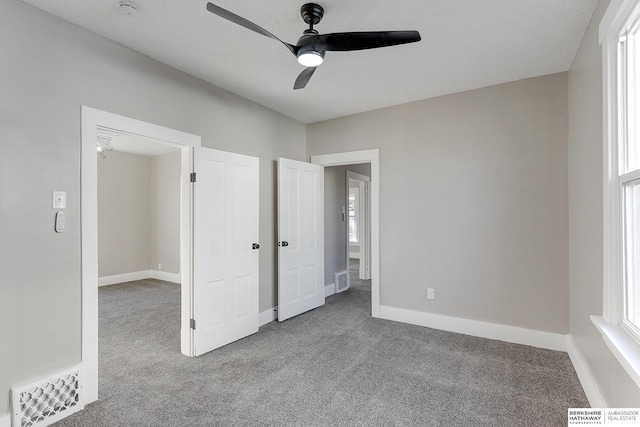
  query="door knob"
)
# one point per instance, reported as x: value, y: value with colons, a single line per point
x: 255, y: 246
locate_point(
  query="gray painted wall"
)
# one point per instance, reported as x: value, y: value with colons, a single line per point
x: 165, y: 208
x: 138, y: 213
x: 585, y: 219
x: 473, y: 201
x: 124, y: 213
x: 51, y: 68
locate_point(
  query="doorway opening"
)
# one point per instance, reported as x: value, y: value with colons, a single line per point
x: 92, y: 121
x: 138, y: 249
x: 346, y: 236
x: 358, y: 158
x: 138, y: 208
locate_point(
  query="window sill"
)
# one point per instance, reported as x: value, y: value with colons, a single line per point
x: 623, y: 347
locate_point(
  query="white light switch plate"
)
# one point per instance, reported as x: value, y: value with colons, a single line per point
x: 59, y: 199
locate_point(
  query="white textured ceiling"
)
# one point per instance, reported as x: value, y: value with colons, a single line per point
x: 466, y: 44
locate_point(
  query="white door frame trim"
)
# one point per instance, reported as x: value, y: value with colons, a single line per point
x: 356, y: 157
x: 90, y: 119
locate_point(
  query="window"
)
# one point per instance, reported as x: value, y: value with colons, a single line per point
x: 631, y: 277
x: 354, y: 199
x: 620, y: 322
x: 629, y: 175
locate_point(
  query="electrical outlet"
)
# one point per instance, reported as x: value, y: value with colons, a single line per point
x: 431, y: 293
x: 159, y: 267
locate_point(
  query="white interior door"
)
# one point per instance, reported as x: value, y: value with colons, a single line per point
x: 225, y: 229
x: 300, y: 237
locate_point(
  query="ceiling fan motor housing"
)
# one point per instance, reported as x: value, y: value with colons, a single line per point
x: 311, y: 13
x: 308, y: 55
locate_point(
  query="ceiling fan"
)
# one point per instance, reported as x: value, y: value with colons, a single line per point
x: 312, y: 46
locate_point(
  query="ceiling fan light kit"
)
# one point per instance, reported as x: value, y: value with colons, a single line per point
x: 310, y: 58
x: 312, y: 46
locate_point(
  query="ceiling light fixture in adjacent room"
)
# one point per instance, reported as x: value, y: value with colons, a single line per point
x: 103, y: 144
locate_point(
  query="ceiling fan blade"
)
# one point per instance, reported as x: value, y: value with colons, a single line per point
x: 364, y: 40
x: 304, y: 77
x: 230, y: 16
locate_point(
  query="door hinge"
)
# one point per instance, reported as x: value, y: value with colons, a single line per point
x: 192, y: 323
x: 193, y: 177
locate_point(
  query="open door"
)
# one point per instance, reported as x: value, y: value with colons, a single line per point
x: 225, y: 248
x: 300, y: 237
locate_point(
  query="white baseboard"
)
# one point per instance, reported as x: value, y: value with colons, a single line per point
x: 494, y: 331
x: 329, y: 290
x: 267, y: 316
x: 138, y: 275
x: 5, y: 420
x: 126, y: 277
x: 167, y: 277
x: 584, y: 375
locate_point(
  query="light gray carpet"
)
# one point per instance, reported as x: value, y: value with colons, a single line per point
x: 333, y: 366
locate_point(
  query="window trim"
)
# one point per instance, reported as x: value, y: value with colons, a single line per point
x: 356, y: 219
x: 619, y: 15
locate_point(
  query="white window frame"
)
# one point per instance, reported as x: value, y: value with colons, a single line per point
x: 356, y: 219
x: 617, y: 19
